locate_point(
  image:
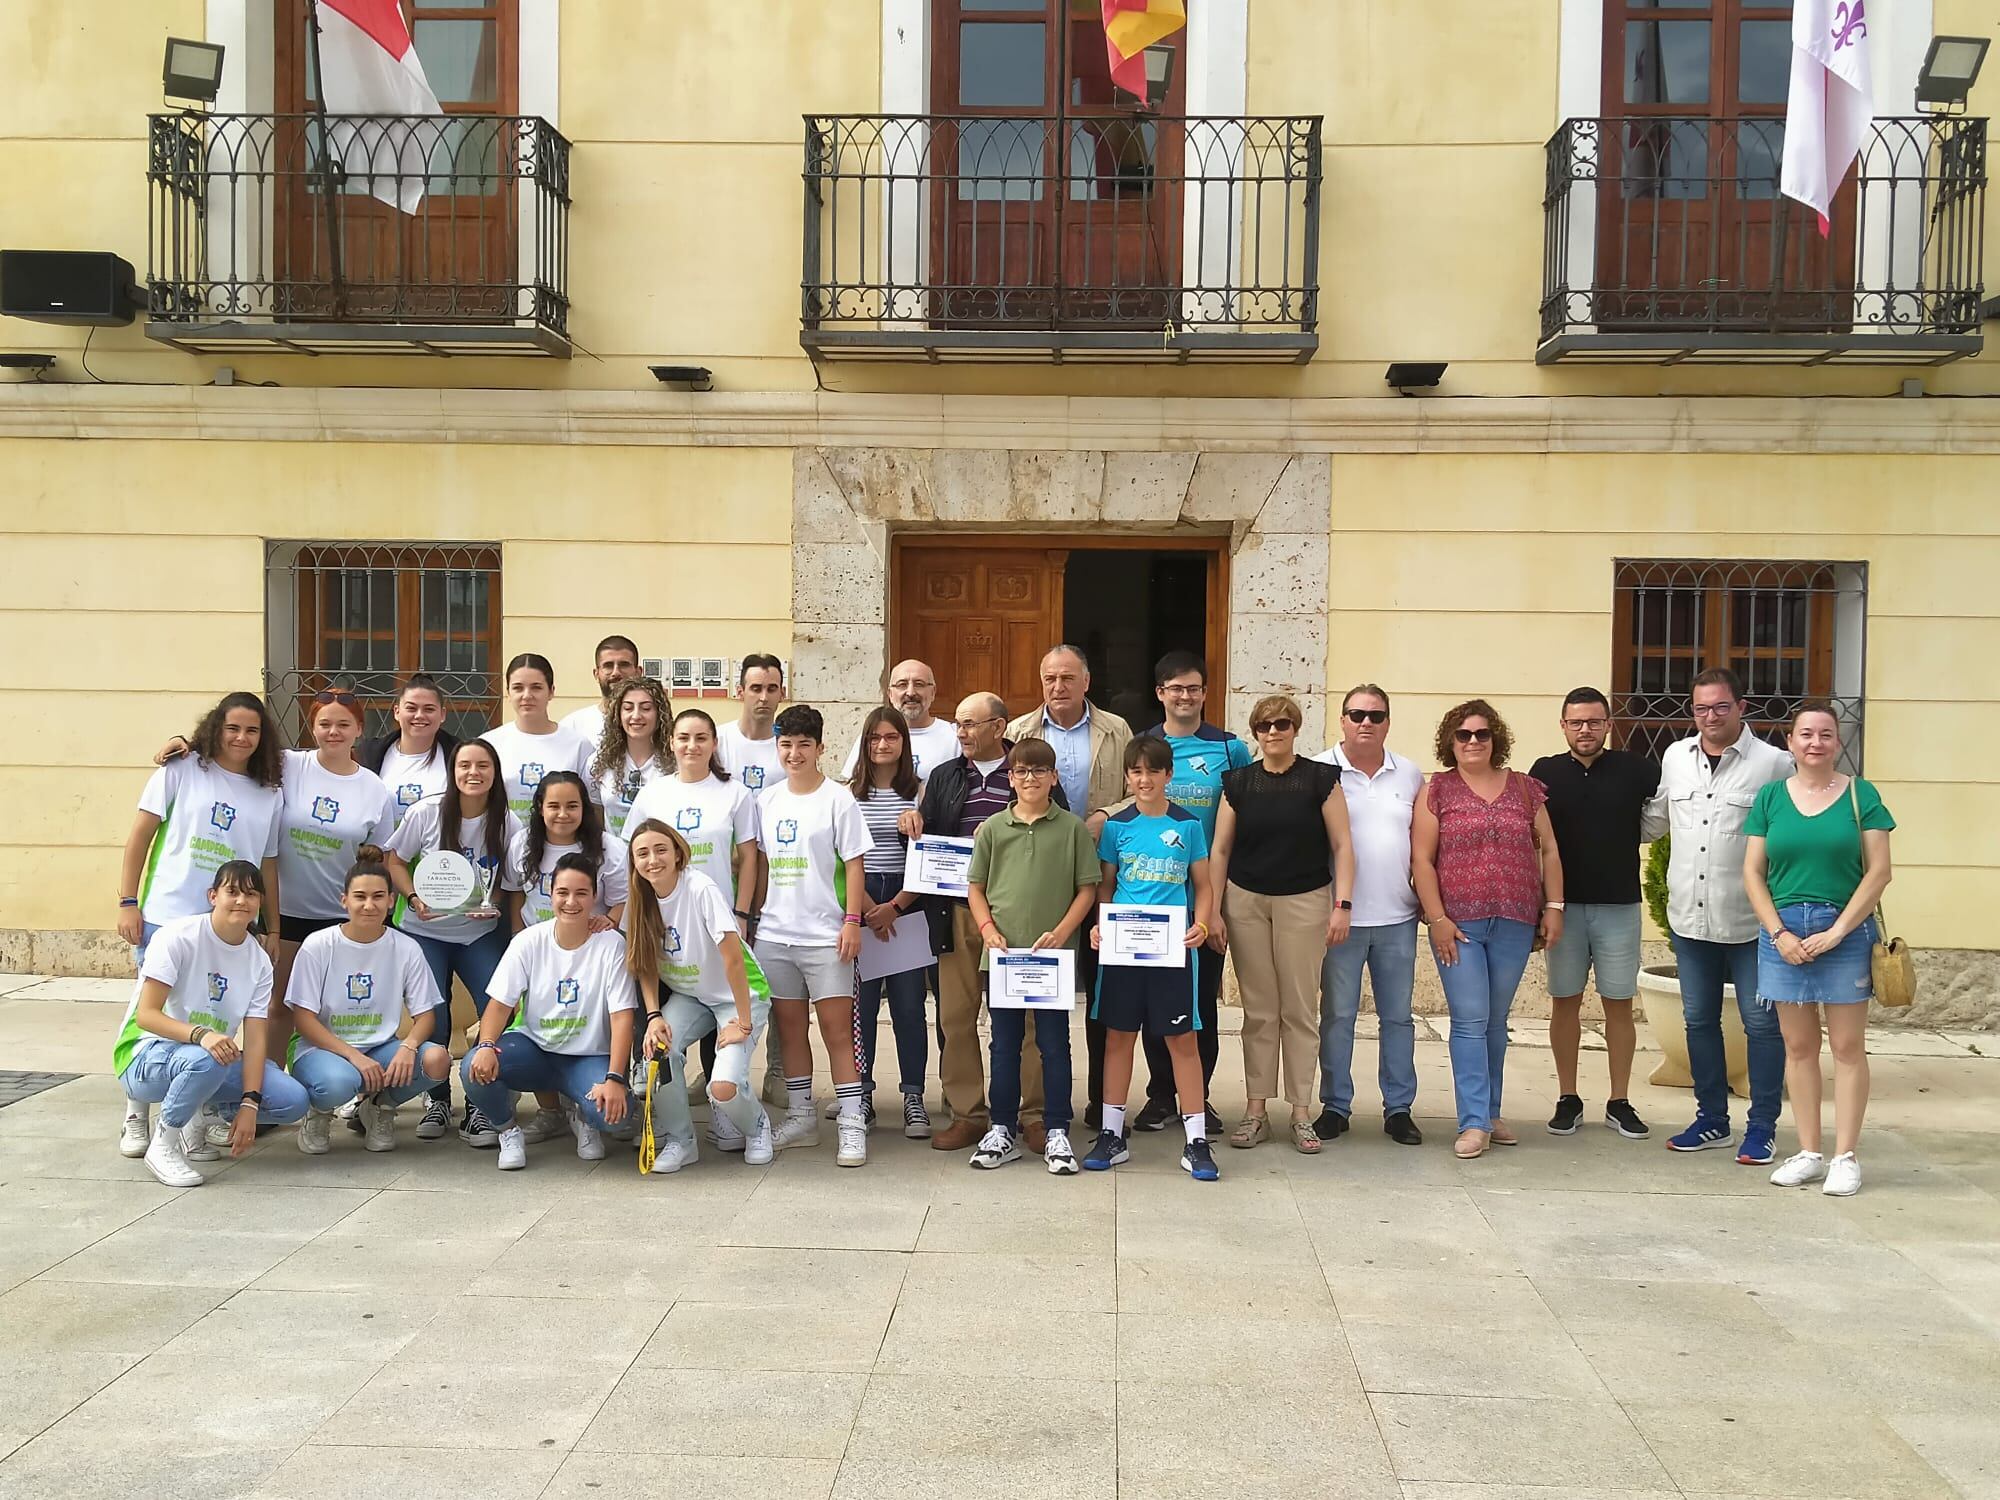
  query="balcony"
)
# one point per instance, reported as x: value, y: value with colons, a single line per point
x: 1667, y: 242
x: 1086, y: 237
x: 358, y: 234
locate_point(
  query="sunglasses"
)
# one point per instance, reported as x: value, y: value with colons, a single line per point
x: 1472, y: 736
x: 1273, y: 726
x: 337, y: 695
x: 1366, y: 715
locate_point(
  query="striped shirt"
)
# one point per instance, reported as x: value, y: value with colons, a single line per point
x: 883, y: 806
x: 988, y: 793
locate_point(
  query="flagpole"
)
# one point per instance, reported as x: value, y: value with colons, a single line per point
x: 329, y: 185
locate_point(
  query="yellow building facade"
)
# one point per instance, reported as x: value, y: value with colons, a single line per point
x: 1174, y: 414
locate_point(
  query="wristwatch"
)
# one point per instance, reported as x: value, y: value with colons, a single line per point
x: 1344, y: 905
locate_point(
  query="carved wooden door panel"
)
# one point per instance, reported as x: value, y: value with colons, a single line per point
x: 981, y: 618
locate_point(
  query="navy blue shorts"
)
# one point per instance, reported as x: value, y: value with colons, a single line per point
x: 1160, y: 1002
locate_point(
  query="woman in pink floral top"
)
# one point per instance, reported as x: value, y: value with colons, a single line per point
x: 1483, y: 860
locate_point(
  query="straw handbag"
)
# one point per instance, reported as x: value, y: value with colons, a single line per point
x: 1889, y: 962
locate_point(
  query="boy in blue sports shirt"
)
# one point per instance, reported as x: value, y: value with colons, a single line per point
x: 1203, y: 754
x: 1154, y: 853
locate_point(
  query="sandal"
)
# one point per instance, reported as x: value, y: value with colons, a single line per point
x: 1470, y: 1143
x: 1249, y: 1131
x: 1305, y: 1137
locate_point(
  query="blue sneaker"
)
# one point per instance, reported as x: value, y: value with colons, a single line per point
x: 1109, y: 1151
x: 1758, y: 1141
x: 1198, y: 1162
x: 1705, y: 1135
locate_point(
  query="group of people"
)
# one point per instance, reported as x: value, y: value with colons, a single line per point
x: 649, y: 883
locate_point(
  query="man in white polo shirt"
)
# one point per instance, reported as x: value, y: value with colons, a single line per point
x: 933, y: 741
x: 1381, y: 791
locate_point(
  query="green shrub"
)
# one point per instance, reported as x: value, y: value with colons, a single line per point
x: 1653, y: 881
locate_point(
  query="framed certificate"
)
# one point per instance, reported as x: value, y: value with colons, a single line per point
x: 1142, y: 937
x: 1032, y: 979
x: 937, y: 865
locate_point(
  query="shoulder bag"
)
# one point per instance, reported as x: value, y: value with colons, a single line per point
x: 1890, y: 965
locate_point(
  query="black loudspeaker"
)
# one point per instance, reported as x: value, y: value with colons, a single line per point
x: 67, y: 286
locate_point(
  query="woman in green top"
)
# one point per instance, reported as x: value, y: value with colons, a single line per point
x: 1815, y: 867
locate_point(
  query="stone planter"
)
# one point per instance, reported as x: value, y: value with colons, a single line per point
x: 1660, y: 994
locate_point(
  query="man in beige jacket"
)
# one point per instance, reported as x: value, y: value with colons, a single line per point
x: 1090, y: 762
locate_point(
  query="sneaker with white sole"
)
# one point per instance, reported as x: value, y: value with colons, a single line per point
x: 853, y: 1135
x: 758, y: 1148
x: 547, y: 1125
x: 513, y: 1149
x: 136, y: 1134
x: 167, y: 1160
x: 436, y: 1120
x: 1797, y: 1171
x: 1059, y: 1154
x: 316, y: 1132
x: 378, y: 1125
x: 1843, y: 1176
x: 589, y: 1141
x: 799, y: 1128
x: 916, y: 1119
x: 214, y: 1133
x: 198, y: 1139
x: 670, y: 1156
x: 722, y: 1131
x: 995, y: 1149
x: 476, y: 1130
x: 350, y: 1115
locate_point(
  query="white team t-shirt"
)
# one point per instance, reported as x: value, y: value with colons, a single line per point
x: 563, y: 997
x: 713, y: 815
x: 617, y: 791
x: 411, y: 778
x: 586, y: 723
x: 326, y: 818
x: 209, y: 982
x: 526, y: 758
x: 930, y: 747
x: 537, y: 887
x: 422, y: 833
x: 208, y: 816
x: 807, y: 841
x: 694, y: 921
x: 360, y: 990
x: 752, y: 763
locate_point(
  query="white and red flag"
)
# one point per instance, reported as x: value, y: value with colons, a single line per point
x: 368, y: 66
x: 1830, y: 108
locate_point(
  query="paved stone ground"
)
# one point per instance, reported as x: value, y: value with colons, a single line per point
x: 1582, y: 1319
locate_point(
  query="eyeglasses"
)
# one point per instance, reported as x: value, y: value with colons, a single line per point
x: 1272, y: 726
x: 968, y: 726
x: 1712, y: 710
x: 1472, y: 736
x: 1591, y: 724
x: 1366, y: 715
x: 891, y: 738
x: 1183, y: 692
x: 1030, y: 773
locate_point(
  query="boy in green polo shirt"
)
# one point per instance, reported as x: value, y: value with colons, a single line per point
x: 1033, y: 880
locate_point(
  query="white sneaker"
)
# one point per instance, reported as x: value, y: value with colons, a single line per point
x: 1843, y: 1176
x: 1807, y: 1166
x: 758, y: 1149
x: 799, y: 1128
x: 995, y: 1149
x: 589, y: 1142
x: 513, y: 1149
x: 547, y: 1125
x: 723, y: 1134
x: 378, y: 1125
x: 1059, y: 1154
x: 671, y: 1156
x: 136, y: 1134
x: 853, y: 1142
x: 167, y: 1161
x: 198, y: 1141
x: 316, y: 1133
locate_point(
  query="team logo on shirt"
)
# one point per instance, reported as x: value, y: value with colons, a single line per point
x: 221, y: 815
x: 753, y: 778
x: 1171, y: 838
x: 360, y: 986
x: 788, y: 830
x: 325, y: 809
x: 409, y: 794
x: 218, y: 986
x: 688, y: 819
x: 672, y: 942
x: 531, y: 775
x: 1199, y: 764
x: 567, y: 992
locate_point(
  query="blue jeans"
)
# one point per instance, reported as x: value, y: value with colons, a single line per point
x: 1704, y: 969
x: 1390, y: 954
x: 330, y: 1080
x: 1479, y: 992
x: 525, y: 1068
x: 906, y: 1011
x: 1010, y: 1034
x: 181, y: 1077
x: 474, y: 964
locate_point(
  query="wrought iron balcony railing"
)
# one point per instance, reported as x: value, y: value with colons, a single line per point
x: 1127, y: 236
x: 1667, y: 240
x: 363, y: 233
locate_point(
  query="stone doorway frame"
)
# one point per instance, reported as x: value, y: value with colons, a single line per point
x: 846, y: 502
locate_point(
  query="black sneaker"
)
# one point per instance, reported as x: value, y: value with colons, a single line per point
x: 1110, y: 1151
x: 1569, y: 1109
x: 1093, y: 1116
x: 1199, y: 1162
x: 1623, y: 1118
x: 1401, y: 1129
x: 477, y: 1130
x: 1330, y: 1126
x: 1156, y: 1115
x: 1214, y: 1126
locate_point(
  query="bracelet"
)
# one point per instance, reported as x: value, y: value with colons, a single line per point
x: 743, y: 916
x: 196, y: 1033
x: 251, y: 1096
x: 127, y: 901
x: 618, y: 1078
x: 849, y: 919
x: 654, y: 1015
x: 477, y: 1045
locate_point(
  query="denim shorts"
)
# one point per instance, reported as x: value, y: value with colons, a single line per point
x: 1840, y: 977
x: 1601, y: 937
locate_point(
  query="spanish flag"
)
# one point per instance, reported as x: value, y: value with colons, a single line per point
x: 1130, y: 27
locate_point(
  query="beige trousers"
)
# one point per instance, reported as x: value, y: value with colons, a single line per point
x: 1278, y: 944
x: 962, y: 1055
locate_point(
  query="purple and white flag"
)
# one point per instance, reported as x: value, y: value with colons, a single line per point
x: 1831, y: 107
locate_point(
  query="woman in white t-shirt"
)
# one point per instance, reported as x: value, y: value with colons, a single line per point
x: 350, y: 986
x: 696, y: 979
x: 574, y: 1038
x: 415, y: 761
x: 471, y: 820
x: 563, y: 820
x: 205, y: 980
x: 700, y: 802
x: 533, y: 745
x: 634, y: 750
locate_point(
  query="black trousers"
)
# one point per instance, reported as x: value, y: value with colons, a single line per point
x: 1093, y: 1030
x: 1159, y: 1064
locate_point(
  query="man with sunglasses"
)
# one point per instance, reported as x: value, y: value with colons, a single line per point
x: 1381, y: 791
x: 1597, y: 801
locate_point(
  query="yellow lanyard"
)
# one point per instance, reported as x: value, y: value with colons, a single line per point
x: 646, y: 1148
